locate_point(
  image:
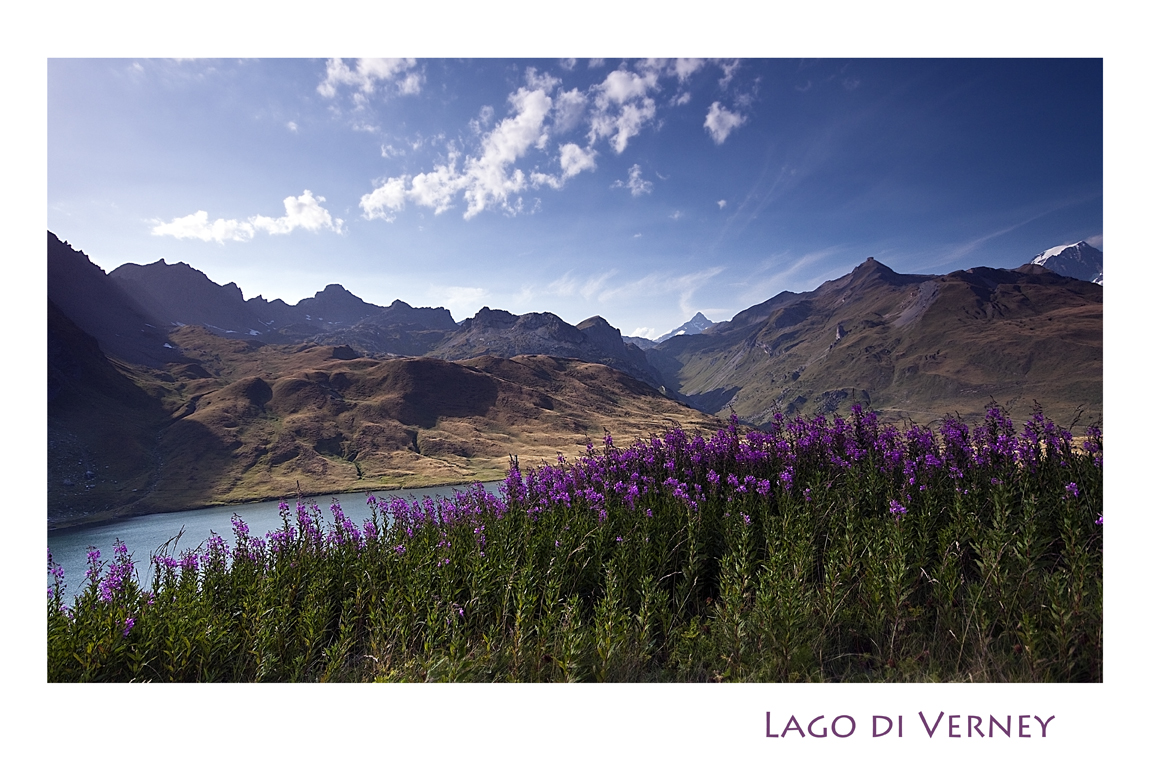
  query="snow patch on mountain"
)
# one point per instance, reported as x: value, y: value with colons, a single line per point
x: 1079, y: 260
x: 693, y: 327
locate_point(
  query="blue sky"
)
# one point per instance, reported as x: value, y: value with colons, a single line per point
x: 638, y: 190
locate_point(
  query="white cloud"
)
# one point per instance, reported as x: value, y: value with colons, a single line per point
x: 720, y: 122
x: 387, y: 151
x: 197, y: 226
x: 385, y: 200
x: 646, y: 332
x: 685, y: 67
x: 722, y: 204
x: 411, y: 83
x: 366, y: 74
x: 291, y: 125
x: 569, y: 109
x: 489, y: 181
x: 568, y: 64
x: 682, y: 99
x: 481, y: 121
x: 303, y: 212
x: 622, y: 106
x: 634, y: 182
x: 490, y: 178
x: 677, y: 215
x: 575, y: 160
x: 729, y: 69
x: 436, y: 189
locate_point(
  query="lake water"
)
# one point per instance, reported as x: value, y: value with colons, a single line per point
x: 146, y: 533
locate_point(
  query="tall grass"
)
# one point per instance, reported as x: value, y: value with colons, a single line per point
x: 823, y: 550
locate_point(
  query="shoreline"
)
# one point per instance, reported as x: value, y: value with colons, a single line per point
x: 58, y: 524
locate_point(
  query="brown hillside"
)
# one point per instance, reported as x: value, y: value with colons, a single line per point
x: 910, y: 346
x: 246, y: 420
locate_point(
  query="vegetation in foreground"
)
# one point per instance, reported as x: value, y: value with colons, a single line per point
x: 824, y: 550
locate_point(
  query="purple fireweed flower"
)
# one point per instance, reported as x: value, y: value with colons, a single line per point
x: 129, y: 622
x: 788, y: 477
x: 241, y: 528
x: 896, y: 509
x: 217, y: 547
x: 1072, y: 489
x: 189, y: 563
x: 1099, y: 521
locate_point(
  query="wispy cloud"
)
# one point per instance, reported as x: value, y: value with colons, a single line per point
x: 634, y: 182
x: 783, y: 272
x: 303, y: 212
x: 961, y: 250
x: 661, y: 284
x: 588, y: 288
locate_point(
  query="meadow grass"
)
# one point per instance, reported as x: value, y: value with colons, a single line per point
x: 823, y: 550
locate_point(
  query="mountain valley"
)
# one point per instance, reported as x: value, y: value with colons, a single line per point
x: 169, y: 391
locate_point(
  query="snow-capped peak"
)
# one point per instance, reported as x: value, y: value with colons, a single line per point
x: 1079, y: 260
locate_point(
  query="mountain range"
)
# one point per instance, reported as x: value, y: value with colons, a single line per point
x: 168, y: 390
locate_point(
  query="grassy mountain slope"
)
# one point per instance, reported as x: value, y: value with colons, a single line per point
x: 910, y: 346
x: 244, y: 420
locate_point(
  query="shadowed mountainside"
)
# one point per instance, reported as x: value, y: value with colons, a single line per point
x: 84, y: 294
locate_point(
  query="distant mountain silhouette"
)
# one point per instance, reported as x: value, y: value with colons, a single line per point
x: 500, y: 333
